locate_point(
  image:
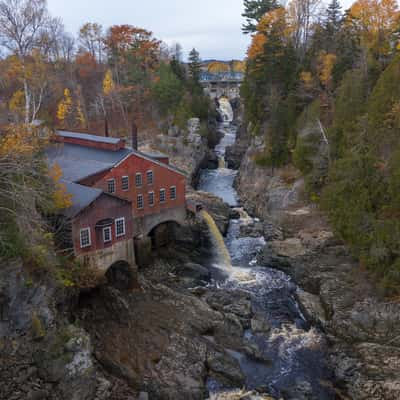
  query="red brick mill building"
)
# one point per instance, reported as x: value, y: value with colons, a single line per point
x: 121, y: 197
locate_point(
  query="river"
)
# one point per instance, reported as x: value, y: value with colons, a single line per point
x: 297, y: 367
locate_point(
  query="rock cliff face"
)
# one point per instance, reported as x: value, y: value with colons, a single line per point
x: 168, y: 338
x: 43, y: 355
x: 338, y: 296
x: 188, y: 149
x: 162, y: 341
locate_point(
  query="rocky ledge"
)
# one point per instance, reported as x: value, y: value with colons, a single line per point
x: 337, y: 295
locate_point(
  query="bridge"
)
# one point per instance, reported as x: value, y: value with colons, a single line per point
x: 222, y: 84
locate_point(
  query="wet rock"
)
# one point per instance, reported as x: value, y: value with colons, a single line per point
x: 235, y: 302
x: 235, y: 214
x: 103, y: 389
x: 253, y: 351
x: 291, y: 248
x: 225, y: 369
x: 311, y: 307
x: 260, y: 325
x: 194, y: 271
x: 254, y: 230
x: 229, y: 333
x: 272, y: 232
x: 234, y: 155
x: 301, y: 390
x: 211, y: 160
x: 37, y: 395
x: 268, y: 258
x: 143, y: 396
x: 219, y: 210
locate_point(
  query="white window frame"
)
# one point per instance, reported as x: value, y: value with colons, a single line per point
x: 153, y: 203
x: 89, y: 244
x: 116, y: 227
x: 138, y: 175
x: 111, y: 181
x: 162, y: 190
x: 126, y: 177
x: 150, y: 172
x: 108, y: 229
x: 139, y: 196
x: 173, y: 188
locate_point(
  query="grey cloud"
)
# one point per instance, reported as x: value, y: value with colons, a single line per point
x: 212, y: 26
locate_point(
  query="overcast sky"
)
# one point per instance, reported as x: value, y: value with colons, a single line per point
x: 212, y: 26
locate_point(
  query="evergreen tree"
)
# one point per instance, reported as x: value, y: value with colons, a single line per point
x: 178, y: 69
x: 168, y: 90
x: 194, y: 66
x: 334, y: 17
x: 253, y: 12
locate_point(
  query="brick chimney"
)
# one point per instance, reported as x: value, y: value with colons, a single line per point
x: 134, y: 136
x: 106, y: 133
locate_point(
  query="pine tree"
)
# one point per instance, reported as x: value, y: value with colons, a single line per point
x: 194, y: 66
x: 334, y: 17
x: 253, y: 12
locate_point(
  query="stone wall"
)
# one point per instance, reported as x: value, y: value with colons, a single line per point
x: 143, y: 226
x: 101, y: 260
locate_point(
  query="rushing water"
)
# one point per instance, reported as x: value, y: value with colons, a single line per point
x: 296, y: 351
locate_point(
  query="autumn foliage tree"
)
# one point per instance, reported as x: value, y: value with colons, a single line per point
x: 320, y: 90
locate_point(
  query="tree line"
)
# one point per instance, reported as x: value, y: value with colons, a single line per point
x: 322, y: 88
x: 104, y: 81
x: 101, y: 76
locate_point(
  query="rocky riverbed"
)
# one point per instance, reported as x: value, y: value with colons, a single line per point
x: 337, y: 295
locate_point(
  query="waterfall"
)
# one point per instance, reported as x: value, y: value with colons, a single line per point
x: 225, y: 109
x: 222, y: 251
x: 221, y: 162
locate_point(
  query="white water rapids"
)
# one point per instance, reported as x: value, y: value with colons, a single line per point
x: 296, y: 352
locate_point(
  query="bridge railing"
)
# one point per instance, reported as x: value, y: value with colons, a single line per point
x: 221, y: 76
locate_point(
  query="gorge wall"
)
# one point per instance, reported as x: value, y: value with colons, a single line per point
x: 338, y: 296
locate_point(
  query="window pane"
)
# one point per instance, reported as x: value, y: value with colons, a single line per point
x: 140, y: 201
x: 172, y: 192
x: 151, y: 199
x: 125, y: 183
x: 111, y: 186
x: 139, y: 180
x: 149, y: 177
x: 162, y: 195
x: 120, y: 227
x: 107, y: 234
x: 85, y: 237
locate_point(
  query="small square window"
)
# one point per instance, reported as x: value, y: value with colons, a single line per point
x: 107, y: 235
x: 172, y: 192
x: 162, y: 196
x: 120, y: 227
x: 139, y: 180
x: 151, y: 199
x: 85, y: 238
x: 125, y: 183
x: 111, y: 186
x: 150, y: 177
x: 140, y: 203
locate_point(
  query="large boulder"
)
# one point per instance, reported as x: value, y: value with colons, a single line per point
x: 214, y: 205
x: 225, y: 369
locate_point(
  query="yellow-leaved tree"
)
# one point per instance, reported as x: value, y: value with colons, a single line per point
x: 217, y: 67
x: 376, y: 22
x: 62, y: 199
x: 108, y: 83
x: 326, y: 62
x: 64, y: 108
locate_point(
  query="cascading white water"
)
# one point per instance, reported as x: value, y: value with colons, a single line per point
x: 225, y: 109
x: 296, y: 352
